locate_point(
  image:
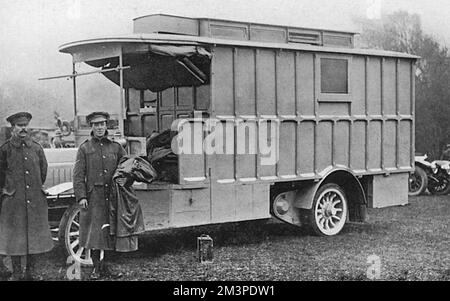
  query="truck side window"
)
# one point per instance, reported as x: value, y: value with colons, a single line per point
x: 334, y: 78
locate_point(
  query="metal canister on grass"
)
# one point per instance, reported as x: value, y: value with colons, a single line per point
x: 205, y: 249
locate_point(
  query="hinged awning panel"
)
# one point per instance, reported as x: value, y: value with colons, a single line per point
x: 91, y: 52
x: 158, y: 67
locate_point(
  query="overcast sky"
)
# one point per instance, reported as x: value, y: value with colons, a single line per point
x: 32, y: 30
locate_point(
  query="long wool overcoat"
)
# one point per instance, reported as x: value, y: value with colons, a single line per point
x: 96, y: 161
x: 24, y: 227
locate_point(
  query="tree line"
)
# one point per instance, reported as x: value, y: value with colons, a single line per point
x: 402, y: 31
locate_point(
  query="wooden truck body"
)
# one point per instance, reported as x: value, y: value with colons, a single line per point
x: 344, y: 118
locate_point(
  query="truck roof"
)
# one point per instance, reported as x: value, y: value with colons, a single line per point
x: 169, y: 16
x: 174, y: 39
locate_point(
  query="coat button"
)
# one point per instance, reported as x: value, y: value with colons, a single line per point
x: 101, y: 144
x: 27, y: 172
x: 104, y: 157
x: 105, y: 171
x: 26, y: 158
x: 28, y: 202
x: 106, y: 185
x: 28, y: 186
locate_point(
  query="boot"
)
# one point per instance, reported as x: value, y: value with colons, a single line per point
x: 17, y: 274
x: 4, y: 272
x: 95, y: 274
x: 107, y: 271
x: 30, y: 270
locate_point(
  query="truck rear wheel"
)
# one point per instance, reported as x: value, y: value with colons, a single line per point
x: 329, y: 212
x: 69, y: 236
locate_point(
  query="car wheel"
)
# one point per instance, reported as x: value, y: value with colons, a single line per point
x: 69, y: 236
x: 443, y: 188
x: 418, y: 182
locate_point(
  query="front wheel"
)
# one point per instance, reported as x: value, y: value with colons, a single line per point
x: 418, y: 182
x: 69, y: 236
x: 329, y: 212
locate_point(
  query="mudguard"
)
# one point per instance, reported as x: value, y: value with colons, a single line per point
x: 343, y: 177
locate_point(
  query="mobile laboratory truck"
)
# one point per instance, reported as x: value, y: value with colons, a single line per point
x: 345, y: 120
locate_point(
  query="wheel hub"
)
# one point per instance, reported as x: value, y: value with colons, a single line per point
x: 329, y: 210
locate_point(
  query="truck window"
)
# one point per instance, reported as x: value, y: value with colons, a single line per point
x: 334, y: 78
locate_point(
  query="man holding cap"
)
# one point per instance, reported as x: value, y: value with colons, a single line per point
x: 24, y: 228
x: 96, y: 161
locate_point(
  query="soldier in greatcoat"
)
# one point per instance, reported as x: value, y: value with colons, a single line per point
x: 96, y: 161
x: 24, y: 227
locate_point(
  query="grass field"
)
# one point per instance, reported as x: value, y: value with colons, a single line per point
x: 411, y: 242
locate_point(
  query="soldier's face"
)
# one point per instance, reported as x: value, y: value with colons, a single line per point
x: 99, y: 129
x: 20, y: 129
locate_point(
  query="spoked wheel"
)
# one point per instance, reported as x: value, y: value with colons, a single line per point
x: 418, y: 182
x: 329, y: 212
x: 442, y: 188
x: 69, y: 236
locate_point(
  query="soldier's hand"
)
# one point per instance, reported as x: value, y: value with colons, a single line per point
x: 83, y: 203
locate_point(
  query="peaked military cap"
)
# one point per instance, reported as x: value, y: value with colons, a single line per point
x: 97, y: 117
x: 19, y: 117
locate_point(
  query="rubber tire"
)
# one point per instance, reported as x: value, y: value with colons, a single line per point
x: 445, y: 191
x: 423, y: 175
x: 64, y: 230
x: 311, y: 213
